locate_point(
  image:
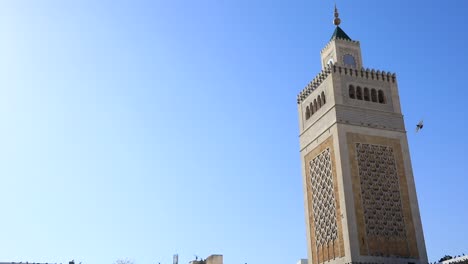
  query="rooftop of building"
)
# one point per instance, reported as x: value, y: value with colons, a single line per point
x: 339, y: 34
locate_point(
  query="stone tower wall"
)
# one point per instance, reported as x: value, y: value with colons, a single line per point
x: 360, y: 199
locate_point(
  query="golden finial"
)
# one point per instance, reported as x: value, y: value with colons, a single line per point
x: 337, y: 19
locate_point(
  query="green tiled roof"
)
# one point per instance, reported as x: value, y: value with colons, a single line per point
x: 339, y: 33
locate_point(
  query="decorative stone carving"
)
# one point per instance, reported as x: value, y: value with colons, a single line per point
x: 323, y: 199
x: 380, y: 191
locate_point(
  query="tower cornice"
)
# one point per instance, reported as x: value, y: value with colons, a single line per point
x: 339, y: 39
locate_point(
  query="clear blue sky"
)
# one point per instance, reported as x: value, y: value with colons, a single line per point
x: 141, y: 129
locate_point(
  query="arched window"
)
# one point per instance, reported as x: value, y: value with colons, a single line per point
x: 319, y: 100
x: 311, y: 108
x: 348, y: 60
x: 366, y: 94
x: 374, y: 95
x: 315, y: 105
x: 359, y: 93
x: 307, y: 112
x: 381, y: 97
x: 352, y: 94
x: 323, y: 98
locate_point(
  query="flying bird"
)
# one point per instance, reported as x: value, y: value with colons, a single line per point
x: 419, y: 126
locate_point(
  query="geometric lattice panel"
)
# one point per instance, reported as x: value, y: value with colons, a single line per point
x: 380, y: 191
x: 323, y: 199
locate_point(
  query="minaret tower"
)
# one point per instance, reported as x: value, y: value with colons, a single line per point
x: 360, y: 197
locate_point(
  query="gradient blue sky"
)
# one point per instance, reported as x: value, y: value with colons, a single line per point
x: 141, y: 129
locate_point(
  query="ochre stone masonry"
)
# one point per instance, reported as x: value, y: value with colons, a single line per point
x: 323, y: 199
x: 383, y: 213
x: 380, y: 191
x: 324, y: 207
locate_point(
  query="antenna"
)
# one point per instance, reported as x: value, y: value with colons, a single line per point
x: 175, y: 259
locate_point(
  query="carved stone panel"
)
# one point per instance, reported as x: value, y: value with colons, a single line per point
x: 381, y: 198
x: 380, y: 191
x: 324, y: 219
x: 323, y: 198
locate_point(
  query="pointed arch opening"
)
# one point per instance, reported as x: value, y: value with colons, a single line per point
x: 352, y: 92
x: 359, y: 93
x: 307, y: 112
x: 319, y: 100
x: 315, y: 105
x: 323, y: 98
x: 366, y: 94
x: 374, y: 95
x: 381, y: 97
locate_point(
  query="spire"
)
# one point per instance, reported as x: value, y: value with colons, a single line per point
x: 338, y: 33
x: 337, y: 19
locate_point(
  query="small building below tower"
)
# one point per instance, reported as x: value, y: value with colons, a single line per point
x: 212, y: 259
